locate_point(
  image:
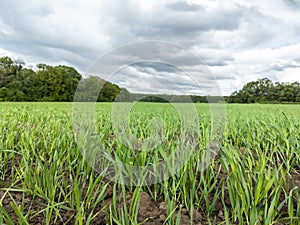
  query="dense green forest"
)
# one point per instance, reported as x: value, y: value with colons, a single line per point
x: 59, y: 83
x: 48, y: 83
x: 265, y: 91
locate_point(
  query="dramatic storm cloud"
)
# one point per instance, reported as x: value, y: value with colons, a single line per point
x: 238, y: 41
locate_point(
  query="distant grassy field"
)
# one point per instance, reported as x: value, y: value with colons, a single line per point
x: 254, y: 178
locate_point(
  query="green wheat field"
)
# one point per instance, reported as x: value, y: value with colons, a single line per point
x: 253, y: 179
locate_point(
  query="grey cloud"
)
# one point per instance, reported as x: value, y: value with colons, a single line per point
x: 183, y: 6
x: 278, y: 67
x: 282, y: 67
x: 297, y: 60
x: 154, y: 51
x: 157, y: 66
x: 218, y: 60
x: 166, y: 23
x: 150, y: 77
x: 223, y: 77
x: 294, y: 4
x: 33, y: 33
x: 264, y: 30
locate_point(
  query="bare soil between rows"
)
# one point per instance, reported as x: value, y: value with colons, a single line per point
x: 150, y: 212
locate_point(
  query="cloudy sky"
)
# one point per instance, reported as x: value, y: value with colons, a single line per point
x: 237, y: 41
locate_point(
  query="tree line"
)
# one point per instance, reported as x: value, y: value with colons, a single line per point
x: 48, y: 83
x: 59, y: 83
x: 265, y: 91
